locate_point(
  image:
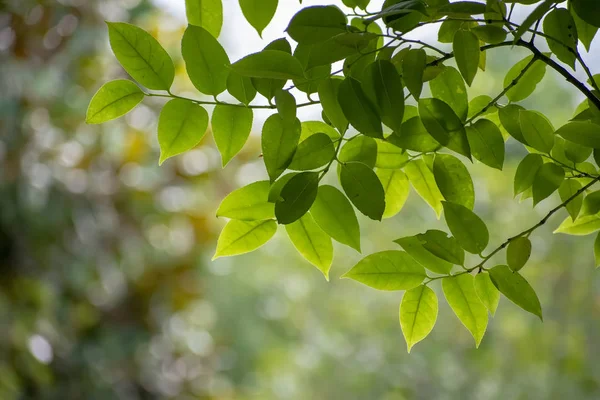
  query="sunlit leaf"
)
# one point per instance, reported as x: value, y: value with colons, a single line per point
x: 334, y: 214
x: 453, y: 180
x: 181, y: 126
x: 231, y: 127
x: 396, y: 187
x: 388, y: 270
x: 141, y: 55
x: 464, y: 301
x: 113, y: 100
x: 422, y: 179
x: 205, y: 60
x: 239, y: 237
x: 249, y: 203
x: 312, y: 243
x: 487, y: 292
x: 418, y: 313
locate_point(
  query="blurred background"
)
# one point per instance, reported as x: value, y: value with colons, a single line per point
x: 107, y: 290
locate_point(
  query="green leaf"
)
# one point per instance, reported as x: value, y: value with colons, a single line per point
x: 510, y: 119
x: 316, y: 24
x: 414, y: 136
x: 275, y: 191
x: 481, y: 105
x: 312, y: 243
x: 422, y: 179
x: 181, y: 126
x: 141, y: 55
x: 567, y: 189
x: 241, y: 87
x: 390, y: 156
x: 205, y: 60
x: 487, y: 292
x: 113, y: 100
x: 450, y: 87
x: 559, y: 25
x: 528, y: 82
x: 239, y: 237
x: 357, y: 108
x: 334, y: 214
x: 518, y: 253
x: 418, y: 313
x: 388, y: 270
x: 581, y: 132
x: 597, y: 250
x: 414, y: 247
x: 588, y: 11
x: 413, y: 67
x: 487, y: 143
x: 273, y: 64
x: 453, y: 180
x: 231, y: 126
x: 464, y: 301
x: 328, y: 94
x: 383, y: 86
x: 279, y: 142
x: 537, y: 130
x: 266, y: 86
x: 396, y: 188
x: 207, y: 14
x: 526, y: 172
x: 467, y: 54
x: 489, y: 33
x: 585, y: 31
x: 286, y: 104
x: 547, y: 180
x: 444, y: 125
x: 364, y: 189
x: 516, y: 289
x: 338, y: 48
x: 259, y: 13
x: 443, y: 246
x: 297, y: 196
x: 249, y: 203
x: 314, y: 152
x: 584, y: 225
x: 591, y: 203
x: 535, y: 15
x: 467, y: 227
x: 463, y: 7
x: 360, y: 148
x: 310, y: 128
x: 576, y: 153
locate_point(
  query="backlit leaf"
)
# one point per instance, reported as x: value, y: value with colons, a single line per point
x: 113, y: 100
x: 231, y: 127
x: 396, y: 187
x: 141, y: 55
x: 422, y: 179
x: 249, y: 203
x: 312, y: 243
x: 464, y: 301
x: 334, y: 214
x: 181, y: 126
x: 487, y: 292
x: 259, y: 12
x: 388, y: 270
x: 418, y: 313
x: 239, y: 237
x: 205, y: 60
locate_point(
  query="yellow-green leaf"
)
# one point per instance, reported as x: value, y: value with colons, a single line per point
x: 418, y: 313
x: 239, y: 237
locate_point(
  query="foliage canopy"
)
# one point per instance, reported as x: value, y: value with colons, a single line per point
x: 382, y: 135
